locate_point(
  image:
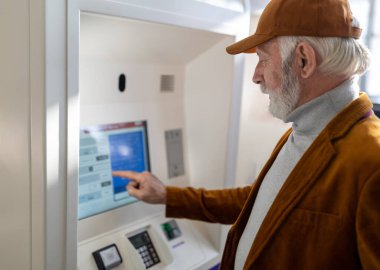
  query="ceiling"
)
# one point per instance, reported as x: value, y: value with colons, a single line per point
x: 104, y: 37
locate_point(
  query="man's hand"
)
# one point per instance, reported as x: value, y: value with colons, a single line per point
x: 144, y: 186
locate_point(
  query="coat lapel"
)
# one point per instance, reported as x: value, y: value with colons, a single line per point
x: 297, y: 184
x: 238, y: 228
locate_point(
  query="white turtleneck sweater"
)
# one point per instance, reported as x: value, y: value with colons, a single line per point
x: 308, y: 121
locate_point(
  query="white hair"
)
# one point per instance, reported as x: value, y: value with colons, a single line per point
x: 340, y: 56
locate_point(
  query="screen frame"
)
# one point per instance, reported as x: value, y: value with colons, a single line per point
x: 112, y: 126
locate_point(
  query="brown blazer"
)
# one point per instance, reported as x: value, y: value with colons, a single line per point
x: 326, y: 215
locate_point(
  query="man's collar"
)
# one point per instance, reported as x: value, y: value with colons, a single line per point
x: 312, y: 117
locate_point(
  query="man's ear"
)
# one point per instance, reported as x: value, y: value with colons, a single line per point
x: 306, y: 60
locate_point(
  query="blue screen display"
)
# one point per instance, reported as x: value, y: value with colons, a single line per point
x: 127, y: 154
x: 107, y: 148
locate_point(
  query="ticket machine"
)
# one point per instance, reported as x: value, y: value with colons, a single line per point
x: 157, y: 93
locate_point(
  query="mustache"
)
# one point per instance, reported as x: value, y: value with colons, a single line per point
x: 264, y: 89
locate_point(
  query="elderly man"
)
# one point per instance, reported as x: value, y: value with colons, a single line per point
x: 316, y: 203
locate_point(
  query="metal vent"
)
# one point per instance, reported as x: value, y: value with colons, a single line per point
x: 174, y: 152
x: 167, y: 83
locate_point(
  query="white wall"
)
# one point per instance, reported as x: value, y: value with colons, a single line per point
x: 15, y: 225
x: 259, y: 131
x: 208, y: 91
x: 22, y: 212
x: 32, y: 199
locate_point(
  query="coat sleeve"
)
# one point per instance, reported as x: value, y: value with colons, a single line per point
x: 218, y: 206
x: 368, y: 223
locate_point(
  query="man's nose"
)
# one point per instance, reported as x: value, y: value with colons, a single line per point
x: 257, y: 78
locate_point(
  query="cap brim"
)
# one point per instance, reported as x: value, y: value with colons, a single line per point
x: 248, y: 45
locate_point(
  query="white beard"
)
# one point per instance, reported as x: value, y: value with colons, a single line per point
x: 284, y: 99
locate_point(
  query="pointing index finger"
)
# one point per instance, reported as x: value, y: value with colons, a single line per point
x: 126, y: 174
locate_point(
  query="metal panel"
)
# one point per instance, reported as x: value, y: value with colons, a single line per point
x: 174, y: 152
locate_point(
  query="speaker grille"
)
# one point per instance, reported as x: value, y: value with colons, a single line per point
x: 167, y: 83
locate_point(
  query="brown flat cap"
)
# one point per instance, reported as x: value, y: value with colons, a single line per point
x: 319, y: 18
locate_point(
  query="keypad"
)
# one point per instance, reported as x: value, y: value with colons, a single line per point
x: 144, y: 246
